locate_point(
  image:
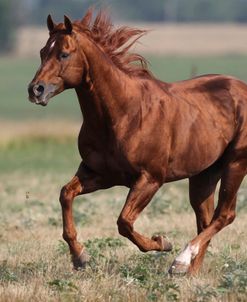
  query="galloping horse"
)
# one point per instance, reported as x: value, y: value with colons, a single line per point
x: 140, y: 132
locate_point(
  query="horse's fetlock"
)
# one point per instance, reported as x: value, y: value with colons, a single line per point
x: 69, y: 236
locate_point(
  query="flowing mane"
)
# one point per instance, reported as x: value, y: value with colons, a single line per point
x: 115, y: 42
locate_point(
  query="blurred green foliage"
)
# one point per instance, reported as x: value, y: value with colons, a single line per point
x: 7, y: 25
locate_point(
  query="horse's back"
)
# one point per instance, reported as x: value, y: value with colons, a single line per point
x: 223, y: 98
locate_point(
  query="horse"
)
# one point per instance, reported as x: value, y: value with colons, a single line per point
x: 140, y: 132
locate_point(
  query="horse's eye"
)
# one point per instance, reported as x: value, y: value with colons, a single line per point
x: 63, y: 55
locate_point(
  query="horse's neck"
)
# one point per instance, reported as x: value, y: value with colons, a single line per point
x: 109, y: 94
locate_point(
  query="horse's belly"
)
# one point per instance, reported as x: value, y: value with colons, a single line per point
x: 194, y: 159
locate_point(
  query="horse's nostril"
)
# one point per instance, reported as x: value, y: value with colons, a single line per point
x: 38, y: 89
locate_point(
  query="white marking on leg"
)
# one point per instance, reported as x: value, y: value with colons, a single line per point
x: 189, y: 253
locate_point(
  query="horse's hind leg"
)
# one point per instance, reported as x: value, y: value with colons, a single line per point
x: 224, y: 214
x: 85, y: 181
x: 139, y: 197
x: 202, y: 190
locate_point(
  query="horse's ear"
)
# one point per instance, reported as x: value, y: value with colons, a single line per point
x: 50, y: 23
x: 68, y: 24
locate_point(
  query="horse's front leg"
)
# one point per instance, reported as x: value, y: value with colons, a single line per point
x: 139, y: 197
x: 85, y: 181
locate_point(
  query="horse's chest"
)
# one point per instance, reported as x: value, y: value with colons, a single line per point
x: 104, y: 160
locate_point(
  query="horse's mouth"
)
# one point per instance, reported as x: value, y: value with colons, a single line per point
x: 36, y: 101
x: 41, y: 103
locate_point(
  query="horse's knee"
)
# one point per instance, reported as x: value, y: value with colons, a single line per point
x: 70, y: 191
x: 65, y: 196
x: 124, y: 226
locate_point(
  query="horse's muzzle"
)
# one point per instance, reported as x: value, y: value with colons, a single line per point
x: 40, y: 93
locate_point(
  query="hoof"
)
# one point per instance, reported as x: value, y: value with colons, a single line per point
x: 164, y: 244
x: 179, y: 268
x: 80, y: 262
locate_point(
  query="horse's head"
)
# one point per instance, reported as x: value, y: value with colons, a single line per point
x: 61, y: 63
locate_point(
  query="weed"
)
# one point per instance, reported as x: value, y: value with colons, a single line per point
x: 62, y: 248
x: 147, y: 271
x: 234, y: 276
x: 204, y: 293
x: 80, y: 218
x: 29, y: 269
x: 54, y: 222
x: 6, y: 275
x: 104, y: 243
x: 62, y: 285
x: 97, y: 249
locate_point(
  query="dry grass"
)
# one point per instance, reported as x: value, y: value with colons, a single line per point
x: 35, y: 263
x: 59, y: 129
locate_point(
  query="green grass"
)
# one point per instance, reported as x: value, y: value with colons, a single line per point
x: 40, y: 154
x: 15, y: 74
x: 179, y: 68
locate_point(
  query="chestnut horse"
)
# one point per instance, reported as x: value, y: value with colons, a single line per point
x: 140, y: 132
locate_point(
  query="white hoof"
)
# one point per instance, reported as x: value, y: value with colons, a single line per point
x: 182, y: 263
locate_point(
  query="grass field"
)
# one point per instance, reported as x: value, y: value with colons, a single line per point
x: 36, y: 159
